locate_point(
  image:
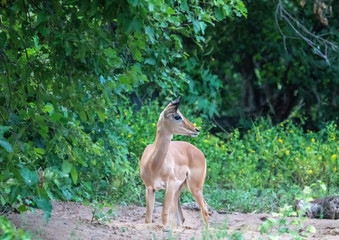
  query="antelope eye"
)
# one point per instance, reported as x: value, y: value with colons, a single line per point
x: 177, y: 117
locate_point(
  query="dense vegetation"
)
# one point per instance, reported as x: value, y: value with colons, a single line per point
x: 83, y: 82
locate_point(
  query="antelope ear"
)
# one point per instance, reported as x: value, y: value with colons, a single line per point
x: 172, y: 107
x: 176, y: 103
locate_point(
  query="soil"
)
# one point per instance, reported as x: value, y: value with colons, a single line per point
x: 73, y: 221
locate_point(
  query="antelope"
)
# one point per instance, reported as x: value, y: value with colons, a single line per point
x: 172, y: 165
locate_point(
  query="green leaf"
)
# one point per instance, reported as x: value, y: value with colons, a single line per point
x: 23, y: 208
x: 307, y: 190
x: 43, y: 131
x: 44, y: 31
x: 283, y: 230
x: 267, y: 225
x: 6, y: 145
x: 136, y: 53
x: 134, y: 25
x: 3, y: 129
x: 196, y: 26
x: 3, y: 201
x: 219, y: 14
x: 84, y: 6
x: 124, y: 80
x: 68, y: 48
x: 46, y: 207
x: 178, y: 43
x: 58, y: 118
x: 164, y: 24
x: 30, y: 177
x: 202, y: 27
x: 170, y: 10
x: 110, y: 53
x: 82, y: 115
x: 42, y: 192
x: 311, y: 229
x: 150, y: 61
x: 295, y: 222
x: 42, y: 17
x: 22, y: 131
x: 101, y: 115
x: 241, y: 8
x: 323, y: 185
x: 134, y: 3
x: 228, y: 10
x: 3, y: 39
x: 66, y: 166
x: 258, y: 75
x: 15, y: 191
x: 135, y: 47
x: 40, y: 151
x: 140, y: 44
x: 150, y: 33
x: 74, y: 175
x: 151, y: 7
x: 184, y: 5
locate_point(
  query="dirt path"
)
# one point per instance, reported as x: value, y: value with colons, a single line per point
x: 73, y: 221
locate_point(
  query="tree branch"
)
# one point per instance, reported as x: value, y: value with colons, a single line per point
x: 22, y: 41
x: 8, y: 81
x: 319, y: 45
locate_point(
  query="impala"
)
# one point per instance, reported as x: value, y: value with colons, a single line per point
x: 172, y: 165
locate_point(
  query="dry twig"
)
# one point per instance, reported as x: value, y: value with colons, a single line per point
x: 320, y: 45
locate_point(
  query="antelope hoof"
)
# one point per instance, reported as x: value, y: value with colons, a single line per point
x: 166, y: 229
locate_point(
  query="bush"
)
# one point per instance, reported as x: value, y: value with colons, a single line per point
x: 259, y: 169
x: 265, y: 166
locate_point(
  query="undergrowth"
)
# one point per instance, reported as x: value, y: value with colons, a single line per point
x: 256, y: 170
x: 259, y: 169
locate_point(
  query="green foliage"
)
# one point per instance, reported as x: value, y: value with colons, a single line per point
x: 76, y: 111
x: 269, y: 156
x: 221, y: 232
x: 101, y: 213
x: 262, y: 169
x: 281, y: 224
x: 67, y: 69
x: 3, y: 142
x: 264, y: 68
x: 9, y: 232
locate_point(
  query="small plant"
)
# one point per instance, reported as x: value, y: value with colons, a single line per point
x: 100, y: 214
x: 282, y: 223
x: 9, y: 232
x: 221, y: 232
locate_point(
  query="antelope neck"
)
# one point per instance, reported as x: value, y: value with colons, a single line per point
x: 161, y: 145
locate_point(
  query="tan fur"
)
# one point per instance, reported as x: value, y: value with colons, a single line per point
x: 170, y: 165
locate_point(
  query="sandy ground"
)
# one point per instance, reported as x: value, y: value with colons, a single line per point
x: 73, y: 221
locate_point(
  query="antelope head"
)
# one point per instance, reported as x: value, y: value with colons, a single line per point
x: 175, y: 122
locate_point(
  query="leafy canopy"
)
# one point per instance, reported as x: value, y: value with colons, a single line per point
x: 66, y: 68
